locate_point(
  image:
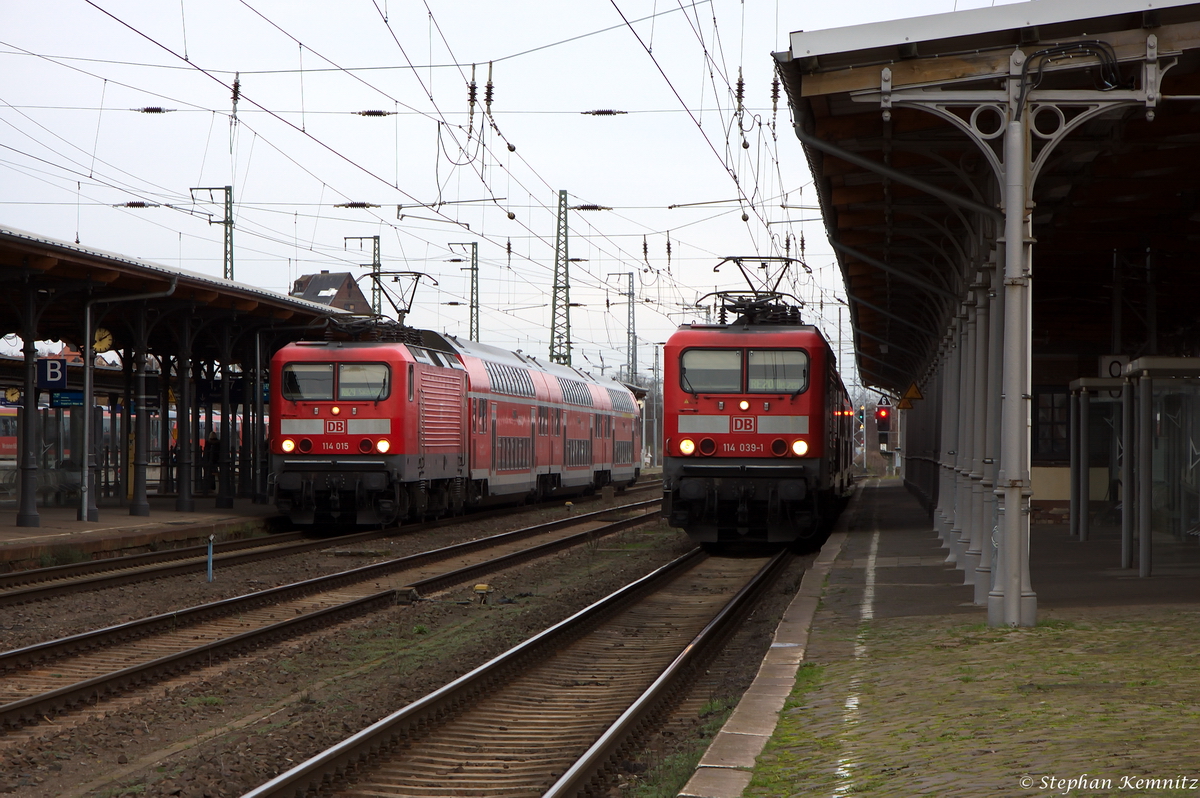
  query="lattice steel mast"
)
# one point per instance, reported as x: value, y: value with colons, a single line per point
x: 474, y: 269
x: 227, y: 222
x: 376, y: 266
x: 560, y: 316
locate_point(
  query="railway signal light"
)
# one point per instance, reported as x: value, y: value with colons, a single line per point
x: 883, y: 418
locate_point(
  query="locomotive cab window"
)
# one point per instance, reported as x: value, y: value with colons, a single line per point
x: 308, y: 381
x: 368, y: 381
x: 711, y: 371
x: 777, y: 370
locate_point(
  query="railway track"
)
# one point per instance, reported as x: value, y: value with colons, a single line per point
x: 553, y: 716
x: 38, y: 584
x: 43, y: 679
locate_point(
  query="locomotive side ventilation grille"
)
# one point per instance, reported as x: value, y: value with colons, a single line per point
x: 575, y: 393
x: 440, y: 429
x: 509, y: 379
x: 621, y: 401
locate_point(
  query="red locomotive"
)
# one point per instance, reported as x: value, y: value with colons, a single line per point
x: 757, y: 426
x: 377, y: 432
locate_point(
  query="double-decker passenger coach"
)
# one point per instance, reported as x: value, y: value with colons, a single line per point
x: 757, y: 426
x: 423, y: 425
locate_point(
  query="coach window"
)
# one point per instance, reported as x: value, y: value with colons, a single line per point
x: 711, y: 371
x: 777, y: 370
x: 363, y: 381
x: 308, y: 381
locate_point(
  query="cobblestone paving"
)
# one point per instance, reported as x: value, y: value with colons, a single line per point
x: 926, y: 700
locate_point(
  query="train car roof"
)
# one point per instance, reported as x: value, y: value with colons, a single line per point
x: 496, y: 354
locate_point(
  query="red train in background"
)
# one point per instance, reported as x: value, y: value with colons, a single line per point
x: 376, y: 432
x: 758, y: 427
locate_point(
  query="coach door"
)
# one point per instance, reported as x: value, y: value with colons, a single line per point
x: 612, y: 439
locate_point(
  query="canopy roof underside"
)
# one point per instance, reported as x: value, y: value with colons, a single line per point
x: 1121, y: 188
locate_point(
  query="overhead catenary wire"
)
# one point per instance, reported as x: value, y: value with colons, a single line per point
x: 609, y: 243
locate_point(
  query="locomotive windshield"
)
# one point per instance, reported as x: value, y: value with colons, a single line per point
x: 711, y: 371
x: 363, y: 381
x: 313, y: 382
x: 308, y: 381
x: 777, y: 371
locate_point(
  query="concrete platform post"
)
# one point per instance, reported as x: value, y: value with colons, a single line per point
x: 139, y: 505
x: 1073, y: 457
x: 950, y: 440
x: 225, y: 464
x: 1145, y: 463
x: 27, y: 512
x: 87, y: 477
x: 1085, y: 463
x: 1013, y: 603
x: 988, y: 458
x: 943, y: 443
x: 246, y: 450
x: 962, y: 467
x: 1128, y: 489
x: 184, y: 501
x: 260, y: 431
x: 974, y: 553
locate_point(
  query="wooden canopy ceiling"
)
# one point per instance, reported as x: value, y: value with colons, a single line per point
x: 1121, y: 188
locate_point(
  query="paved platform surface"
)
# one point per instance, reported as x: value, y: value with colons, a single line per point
x: 60, y: 537
x: 885, y: 679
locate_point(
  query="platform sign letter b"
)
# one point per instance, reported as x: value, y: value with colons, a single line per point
x: 52, y: 374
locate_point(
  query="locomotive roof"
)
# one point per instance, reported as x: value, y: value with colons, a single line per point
x: 750, y: 328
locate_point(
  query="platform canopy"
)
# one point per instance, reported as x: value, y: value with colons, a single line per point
x: 65, y: 276
x: 906, y: 152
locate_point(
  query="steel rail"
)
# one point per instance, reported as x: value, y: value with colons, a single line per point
x: 587, y: 775
x: 58, y: 580
x: 92, y: 690
x: 34, y: 707
x: 354, y: 751
x: 39, y: 652
x: 147, y: 565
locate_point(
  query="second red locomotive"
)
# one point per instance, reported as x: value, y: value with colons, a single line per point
x: 379, y: 431
x: 757, y: 426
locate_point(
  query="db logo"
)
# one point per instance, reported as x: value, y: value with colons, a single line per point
x: 335, y: 427
x: 743, y: 423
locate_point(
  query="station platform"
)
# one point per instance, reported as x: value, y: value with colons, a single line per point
x: 61, y: 538
x: 884, y: 678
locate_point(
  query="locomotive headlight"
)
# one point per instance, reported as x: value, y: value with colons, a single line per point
x: 335, y: 410
x: 383, y: 446
x: 687, y: 446
x: 288, y: 445
x: 744, y: 405
x: 800, y: 448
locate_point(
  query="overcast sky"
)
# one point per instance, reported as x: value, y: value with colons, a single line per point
x: 80, y: 137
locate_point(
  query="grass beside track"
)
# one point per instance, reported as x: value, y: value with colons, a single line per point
x: 948, y: 708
